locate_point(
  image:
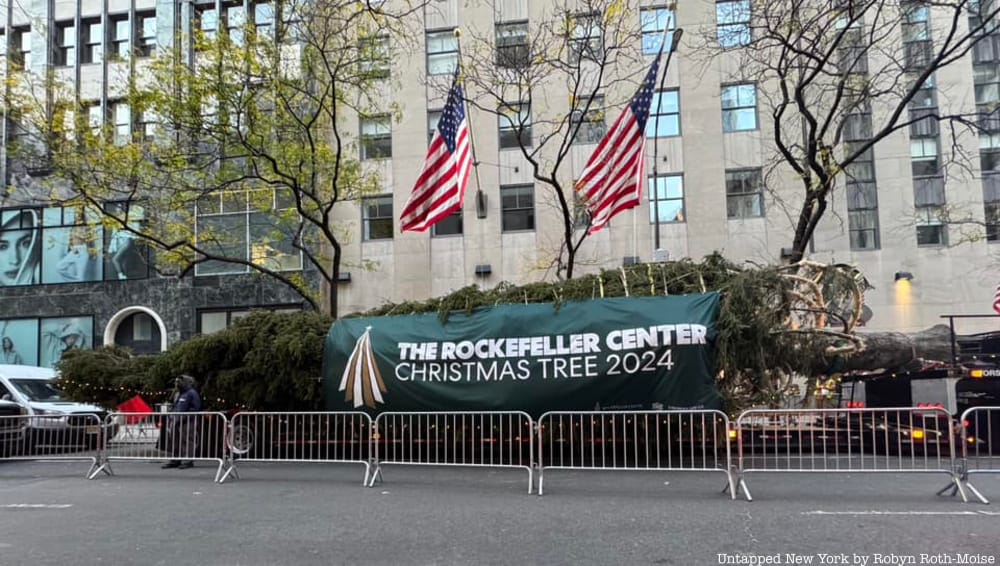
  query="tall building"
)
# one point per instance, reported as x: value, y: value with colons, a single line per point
x: 709, y: 147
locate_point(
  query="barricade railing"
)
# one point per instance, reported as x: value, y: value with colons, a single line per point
x: 62, y: 437
x: 182, y: 439
x: 981, y: 451
x: 683, y: 441
x: 481, y: 439
x: 321, y: 437
x: 889, y: 440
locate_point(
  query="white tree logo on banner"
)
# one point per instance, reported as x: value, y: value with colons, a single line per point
x: 362, y: 380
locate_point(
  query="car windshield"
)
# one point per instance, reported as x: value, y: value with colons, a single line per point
x: 37, y: 390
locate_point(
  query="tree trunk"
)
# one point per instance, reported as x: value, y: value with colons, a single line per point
x: 901, y: 351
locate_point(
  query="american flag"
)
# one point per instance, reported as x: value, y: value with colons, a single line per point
x: 613, y: 179
x: 440, y: 187
x: 996, y: 300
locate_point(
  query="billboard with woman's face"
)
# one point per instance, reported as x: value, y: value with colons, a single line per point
x: 20, y: 247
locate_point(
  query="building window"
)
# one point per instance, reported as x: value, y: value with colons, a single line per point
x: 21, y: 43
x: 122, y: 117
x: 739, y: 108
x: 120, y: 35
x: 247, y: 225
x: 126, y: 256
x: 916, y: 26
x: 517, y: 208
x: 664, y: 115
x: 587, y: 120
x: 666, y: 198
x: 236, y: 21
x: 585, y: 40
x: 515, y: 125
x: 450, y: 225
x: 93, y: 41
x: 146, y: 124
x: 992, y: 210
x: 654, y: 21
x: 71, y: 245
x: 211, y: 321
x: 376, y: 218
x: 64, y: 51
x: 145, y: 33
x: 930, y: 228
x: 373, y: 53
x: 433, y: 117
x: 20, y: 247
x: 376, y: 137
x: 263, y: 19
x: 924, y: 157
x: 208, y: 22
x: 513, y: 50
x: 733, y: 22
x: 442, y: 52
x: 95, y: 118
x: 744, y: 193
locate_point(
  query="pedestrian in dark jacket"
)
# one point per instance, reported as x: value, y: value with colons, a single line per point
x: 183, y: 429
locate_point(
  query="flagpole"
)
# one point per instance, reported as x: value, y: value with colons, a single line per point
x: 656, y: 121
x: 468, y: 117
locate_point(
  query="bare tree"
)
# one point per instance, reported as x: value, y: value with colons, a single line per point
x: 588, y: 50
x: 838, y: 77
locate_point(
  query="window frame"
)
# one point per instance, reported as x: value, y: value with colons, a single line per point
x: 734, y: 32
x: 144, y: 43
x: 246, y: 207
x: 91, y: 47
x: 367, y: 231
x: 116, y: 43
x: 650, y: 27
x: 757, y: 184
x: 512, y: 135
x: 929, y: 217
x: 589, y: 44
x: 374, y: 56
x: 446, y: 38
x: 740, y: 106
x: 515, y: 54
x: 653, y: 186
x: 64, y: 44
x: 656, y: 110
x: 370, y: 141
x: 449, y: 226
x: 523, y: 211
x: 592, y: 123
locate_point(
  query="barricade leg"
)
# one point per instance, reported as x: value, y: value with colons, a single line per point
x: 541, y: 481
x: 376, y: 475
x: 975, y: 492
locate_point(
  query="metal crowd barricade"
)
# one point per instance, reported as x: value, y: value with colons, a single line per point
x: 684, y: 441
x: 981, y: 451
x: 321, y: 437
x: 64, y: 437
x: 460, y: 438
x: 185, y: 437
x: 889, y: 440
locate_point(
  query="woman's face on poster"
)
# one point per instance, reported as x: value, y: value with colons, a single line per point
x: 8, y: 344
x: 15, y: 247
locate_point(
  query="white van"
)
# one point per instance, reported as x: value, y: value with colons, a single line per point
x: 60, y: 421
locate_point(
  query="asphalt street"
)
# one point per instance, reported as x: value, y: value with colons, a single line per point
x: 278, y: 514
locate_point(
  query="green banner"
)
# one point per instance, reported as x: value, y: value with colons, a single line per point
x: 607, y: 354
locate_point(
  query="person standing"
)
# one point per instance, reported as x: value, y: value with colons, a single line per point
x: 183, y: 429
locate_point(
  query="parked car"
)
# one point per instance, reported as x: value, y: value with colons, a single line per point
x: 52, y: 421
